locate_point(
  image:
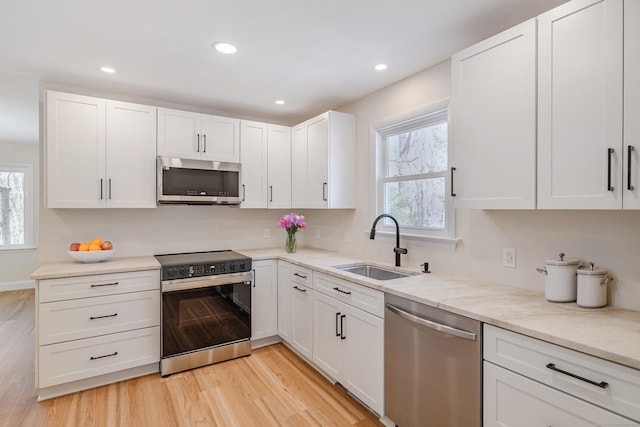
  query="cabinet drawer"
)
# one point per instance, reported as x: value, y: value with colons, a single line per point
x: 367, y: 299
x: 76, y: 360
x: 83, y: 318
x: 97, y: 285
x: 301, y: 275
x: 534, y: 359
x: 512, y: 400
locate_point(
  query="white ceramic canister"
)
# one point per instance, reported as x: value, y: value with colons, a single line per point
x: 561, y: 282
x: 592, y: 287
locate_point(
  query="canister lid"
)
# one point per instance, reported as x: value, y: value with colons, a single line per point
x: 562, y: 260
x: 591, y: 270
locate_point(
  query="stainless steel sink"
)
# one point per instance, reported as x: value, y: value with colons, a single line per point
x: 373, y: 271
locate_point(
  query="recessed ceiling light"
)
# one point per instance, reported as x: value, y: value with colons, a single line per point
x: 108, y: 70
x: 224, y: 47
x: 381, y: 67
x: 280, y: 102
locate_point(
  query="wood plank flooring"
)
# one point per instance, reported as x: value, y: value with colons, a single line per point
x: 272, y: 387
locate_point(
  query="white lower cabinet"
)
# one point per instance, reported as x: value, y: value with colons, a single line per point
x: 295, y: 320
x: 79, y: 359
x: 285, y: 317
x: 348, y: 343
x: 336, y: 324
x: 302, y: 320
x: 264, y: 299
x: 527, y: 382
x: 516, y: 401
x: 97, y: 329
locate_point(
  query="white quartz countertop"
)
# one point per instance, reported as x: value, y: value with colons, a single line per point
x: 73, y: 268
x: 608, y: 333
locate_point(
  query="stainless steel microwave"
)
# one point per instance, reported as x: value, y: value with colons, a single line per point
x: 197, y: 182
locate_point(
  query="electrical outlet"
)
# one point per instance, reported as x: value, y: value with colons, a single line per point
x: 509, y: 257
x: 266, y: 233
x: 317, y: 233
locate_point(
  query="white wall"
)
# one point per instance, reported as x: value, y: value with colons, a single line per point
x: 166, y: 229
x: 610, y: 239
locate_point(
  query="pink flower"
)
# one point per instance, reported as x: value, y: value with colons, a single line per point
x: 292, y: 222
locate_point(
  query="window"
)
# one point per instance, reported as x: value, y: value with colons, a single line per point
x: 16, y: 206
x: 412, y: 175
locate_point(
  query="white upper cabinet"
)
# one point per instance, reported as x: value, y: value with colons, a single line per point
x: 631, y: 152
x: 99, y: 153
x: 254, y: 164
x: 266, y: 165
x: 324, y: 159
x: 493, y: 121
x: 298, y: 165
x: 130, y: 155
x: 580, y: 105
x: 198, y: 136
x: 279, y: 166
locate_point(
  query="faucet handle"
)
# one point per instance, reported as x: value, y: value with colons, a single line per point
x: 402, y: 251
x: 425, y: 266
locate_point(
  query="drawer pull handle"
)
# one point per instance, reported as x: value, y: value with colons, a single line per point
x: 300, y: 275
x: 102, y: 357
x: 301, y: 290
x: 340, y: 290
x: 104, y: 284
x: 600, y: 384
x: 103, y: 317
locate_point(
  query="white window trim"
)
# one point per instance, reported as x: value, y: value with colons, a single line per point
x: 29, y: 206
x: 436, y: 238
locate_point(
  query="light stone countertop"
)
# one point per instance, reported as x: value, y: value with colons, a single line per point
x: 74, y: 268
x: 609, y: 333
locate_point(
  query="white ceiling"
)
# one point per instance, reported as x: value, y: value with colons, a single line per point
x: 315, y: 55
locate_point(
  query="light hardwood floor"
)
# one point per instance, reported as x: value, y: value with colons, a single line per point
x: 272, y: 387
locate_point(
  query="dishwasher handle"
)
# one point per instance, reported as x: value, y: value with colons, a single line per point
x: 431, y: 324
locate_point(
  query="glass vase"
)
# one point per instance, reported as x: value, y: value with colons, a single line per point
x: 291, y: 244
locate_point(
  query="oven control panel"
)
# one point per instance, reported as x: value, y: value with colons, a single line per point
x: 185, y: 271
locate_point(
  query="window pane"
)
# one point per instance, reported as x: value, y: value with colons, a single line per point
x: 416, y: 203
x: 12, y: 208
x: 422, y: 150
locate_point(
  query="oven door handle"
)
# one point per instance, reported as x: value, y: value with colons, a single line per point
x: 205, y: 282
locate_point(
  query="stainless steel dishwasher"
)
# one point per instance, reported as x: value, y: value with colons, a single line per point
x: 432, y: 366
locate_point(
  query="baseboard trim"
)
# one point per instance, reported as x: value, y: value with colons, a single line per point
x: 14, y: 286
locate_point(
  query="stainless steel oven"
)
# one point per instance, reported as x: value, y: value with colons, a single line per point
x: 206, y: 309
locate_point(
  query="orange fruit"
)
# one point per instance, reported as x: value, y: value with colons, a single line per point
x: 93, y: 247
x: 96, y: 241
x: 84, y: 247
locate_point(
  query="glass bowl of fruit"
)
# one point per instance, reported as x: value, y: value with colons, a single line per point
x: 95, y: 251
